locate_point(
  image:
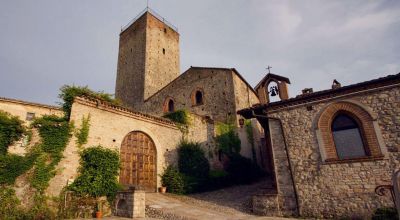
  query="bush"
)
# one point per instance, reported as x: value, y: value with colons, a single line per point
x: 68, y: 93
x: 191, y: 160
x: 11, y: 130
x: 98, y: 169
x: 217, y: 179
x: 9, y: 204
x: 173, y: 180
x: 179, y: 116
x: 243, y: 170
x: 12, y: 166
x: 385, y: 214
x: 228, y: 141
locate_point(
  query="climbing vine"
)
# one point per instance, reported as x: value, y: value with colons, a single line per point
x: 83, y: 133
x: 11, y: 130
x: 250, y: 138
x: 68, y: 93
x: 55, y: 133
x: 182, y: 119
x: 227, y: 140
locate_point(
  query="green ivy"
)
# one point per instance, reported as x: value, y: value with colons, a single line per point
x: 68, y: 93
x: 98, y: 170
x: 12, y: 166
x: 250, y: 138
x: 9, y: 209
x: 191, y: 160
x: 179, y: 116
x: 83, y: 133
x: 227, y: 140
x: 55, y: 133
x: 11, y: 130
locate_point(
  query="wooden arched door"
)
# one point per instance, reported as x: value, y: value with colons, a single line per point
x: 138, y: 161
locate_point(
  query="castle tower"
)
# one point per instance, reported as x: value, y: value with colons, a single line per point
x: 148, y: 58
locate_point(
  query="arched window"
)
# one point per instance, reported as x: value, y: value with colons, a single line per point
x: 347, y: 137
x: 199, y: 98
x: 171, y: 107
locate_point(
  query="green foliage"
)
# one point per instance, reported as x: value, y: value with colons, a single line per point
x: 11, y: 130
x: 9, y: 205
x: 12, y: 166
x: 179, y: 116
x: 55, y: 133
x: 76, y: 207
x: 99, y: 169
x: 191, y: 160
x: 227, y: 139
x: 217, y: 179
x: 243, y: 170
x: 68, y: 93
x: 83, y: 133
x: 250, y: 138
x: 385, y: 214
x: 173, y: 180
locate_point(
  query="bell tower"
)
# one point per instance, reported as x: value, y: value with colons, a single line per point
x: 281, y: 88
x: 148, y: 58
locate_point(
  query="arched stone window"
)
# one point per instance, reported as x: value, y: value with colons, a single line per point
x: 346, y: 132
x: 169, y: 105
x: 197, y: 97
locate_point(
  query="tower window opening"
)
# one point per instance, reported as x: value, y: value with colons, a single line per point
x: 171, y: 106
x: 163, y: 50
x: 165, y: 30
x: 199, y: 98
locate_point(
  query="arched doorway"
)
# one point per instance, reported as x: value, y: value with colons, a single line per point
x: 138, y: 161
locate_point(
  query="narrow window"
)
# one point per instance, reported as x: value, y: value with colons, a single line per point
x: 199, y: 98
x: 163, y: 50
x: 30, y: 116
x: 171, y: 107
x: 165, y: 30
x: 347, y: 137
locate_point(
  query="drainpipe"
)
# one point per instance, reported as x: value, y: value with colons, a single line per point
x: 287, y: 155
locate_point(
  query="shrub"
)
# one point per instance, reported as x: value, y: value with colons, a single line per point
x: 217, y: 179
x: 173, y: 180
x: 227, y: 139
x: 68, y: 93
x: 385, y: 214
x: 191, y: 160
x: 98, y: 169
x: 12, y: 166
x: 9, y: 204
x: 243, y: 170
x: 11, y: 130
x: 179, y: 116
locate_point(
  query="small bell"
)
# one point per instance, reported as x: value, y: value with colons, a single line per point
x: 274, y: 91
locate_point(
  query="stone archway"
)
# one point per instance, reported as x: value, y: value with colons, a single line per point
x: 138, y: 162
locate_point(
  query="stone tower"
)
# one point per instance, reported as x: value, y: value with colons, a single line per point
x: 148, y: 58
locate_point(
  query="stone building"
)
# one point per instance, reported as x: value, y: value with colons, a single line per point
x: 326, y: 151
x: 330, y: 149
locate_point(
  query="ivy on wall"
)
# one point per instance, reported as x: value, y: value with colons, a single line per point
x: 68, y: 93
x: 83, y: 133
x: 250, y: 138
x: 55, y: 133
x: 227, y: 139
x: 181, y: 118
x: 11, y: 130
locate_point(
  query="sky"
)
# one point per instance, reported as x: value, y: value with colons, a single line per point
x: 45, y: 44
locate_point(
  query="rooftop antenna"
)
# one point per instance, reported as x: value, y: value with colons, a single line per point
x: 269, y: 68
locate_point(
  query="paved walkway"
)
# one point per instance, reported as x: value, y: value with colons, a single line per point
x: 177, y: 209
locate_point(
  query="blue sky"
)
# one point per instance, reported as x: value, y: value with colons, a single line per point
x: 45, y: 44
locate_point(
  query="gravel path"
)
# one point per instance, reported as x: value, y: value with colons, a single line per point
x: 224, y: 204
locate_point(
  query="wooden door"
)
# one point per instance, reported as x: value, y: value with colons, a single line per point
x: 138, y: 161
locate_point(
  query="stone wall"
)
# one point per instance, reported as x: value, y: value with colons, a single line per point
x: 21, y: 109
x: 340, y: 189
x: 108, y: 126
